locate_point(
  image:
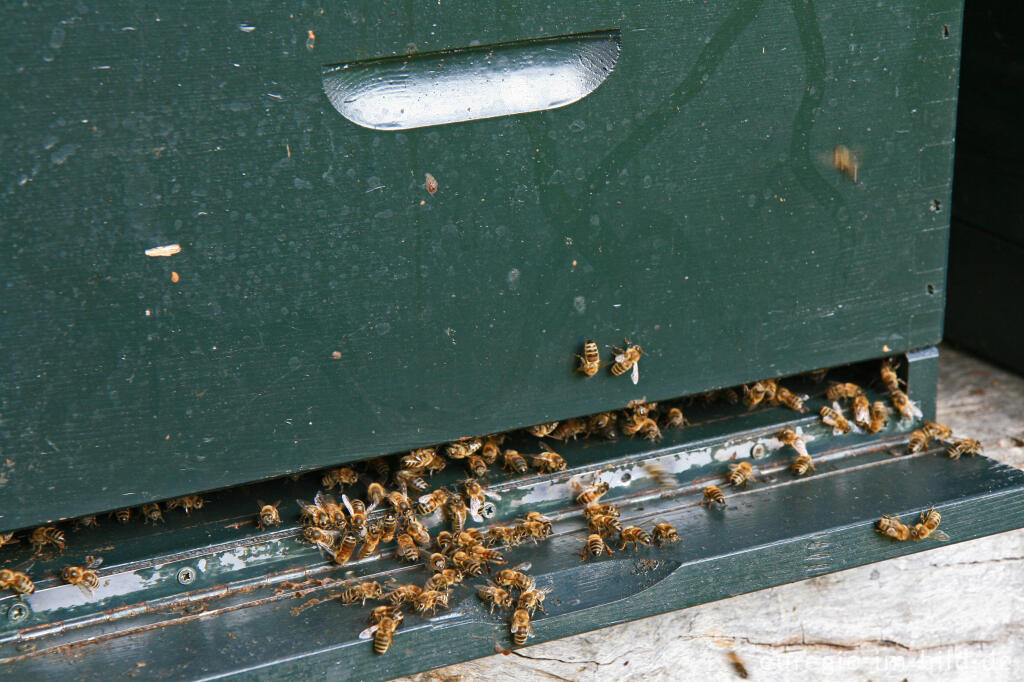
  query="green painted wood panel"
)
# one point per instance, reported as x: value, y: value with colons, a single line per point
x: 688, y: 203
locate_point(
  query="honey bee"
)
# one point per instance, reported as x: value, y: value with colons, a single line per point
x: 345, y: 548
x: 84, y: 577
x: 595, y: 509
x: 361, y: 592
x: 661, y: 475
x: 753, y: 396
x: 437, y: 463
x: 357, y: 512
x: 399, y: 501
x: 8, y: 538
x: 541, y: 430
x: 712, y: 493
x: 645, y: 427
x: 890, y: 379
x: 918, y: 441
x: 931, y: 518
x: 417, y: 531
x: 921, y: 531
x: 445, y: 541
x: 861, y: 411
x: 17, y: 581
x: 406, y: 550
x: 591, y: 493
x: 937, y: 430
x: 789, y: 399
x: 601, y: 421
x: 515, y: 577
x: 380, y: 467
x: 964, y: 446
x: 477, y: 494
x: 515, y: 462
x: 907, y: 408
x: 84, y: 522
x: 626, y: 360
x: 549, y: 461
x: 491, y: 449
x: 604, y: 523
x: 569, y: 429
x: 374, y: 533
x: 437, y: 561
x: 46, y: 535
x: 268, y: 515
x: 324, y: 539
x: 376, y: 493
x: 476, y: 465
x: 520, y: 626
x: 879, y: 416
x: 843, y: 391
x: 313, y: 514
x: 665, y: 533
x: 740, y: 473
x: 389, y: 524
x: 892, y: 528
x: 531, y: 530
x: 531, y: 600
x: 537, y: 517
x: 186, y: 503
x: 419, y: 459
x: 594, y: 546
x: 801, y: 465
x: 123, y: 516
x: 403, y: 593
x: 383, y: 632
x: 431, y: 502
x: 503, y: 535
x: 411, y: 479
x: 590, y: 361
x: 443, y: 580
x: 487, y: 554
x: 467, y: 538
x: 636, y: 536
x: 379, y: 612
x: 456, y: 512
x: 495, y: 596
x: 466, y: 562
x: 339, y: 477
x: 791, y: 438
x: 151, y: 512
x: 430, y: 600
x: 675, y: 419
x: 845, y: 161
x: 461, y: 449
x: 832, y: 416
x: 334, y: 511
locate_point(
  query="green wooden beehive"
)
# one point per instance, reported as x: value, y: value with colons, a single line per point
x: 397, y: 224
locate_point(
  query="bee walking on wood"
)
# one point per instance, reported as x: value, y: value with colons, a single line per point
x: 531, y: 600
x: 937, y: 430
x: 542, y: 430
x: 374, y: 533
x: 636, y: 536
x: 569, y: 429
x: 665, y: 533
x: 151, y: 513
x: 675, y: 419
x: 186, y: 503
x: 832, y: 416
x: 890, y: 379
x: 918, y: 442
x: 549, y: 461
x: 430, y: 600
x: 403, y: 593
x: 740, y: 473
x: 861, y: 411
x: 843, y: 391
x: 412, y: 479
x: 758, y: 392
x: 357, y: 512
x: 345, y: 549
x: 515, y: 577
x: 383, y: 633
x: 907, y: 408
x: 520, y: 626
x: 593, y: 493
x: 46, y: 535
x: 431, y: 502
x: 879, y: 416
x: 17, y: 581
x: 476, y: 493
x: 590, y: 361
x: 515, y: 462
x: 964, y: 446
x: 801, y: 465
x: 627, y: 361
x: 795, y: 402
x: 406, y: 550
x: 594, y: 546
x: 268, y: 515
x: 463, y: 448
x: 339, y: 477
x: 443, y: 580
x: 494, y: 596
x: 361, y: 592
x: 892, y: 528
x: 792, y: 439
x: 84, y: 577
x: 712, y: 494
x: 330, y: 506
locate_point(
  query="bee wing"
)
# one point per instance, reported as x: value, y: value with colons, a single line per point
x: 84, y: 590
x: 302, y: 504
x: 348, y: 504
x: 368, y: 632
x: 372, y: 507
x: 423, y: 499
x: 93, y: 561
x: 324, y: 500
x: 525, y: 566
x: 635, y: 374
x: 259, y: 503
x: 939, y: 535
x: 474, y: 509
x: 545, y: 446
x: 491, y: 494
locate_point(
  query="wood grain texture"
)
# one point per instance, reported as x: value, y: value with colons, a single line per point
x: 688, y: 204
x: 952, y: 613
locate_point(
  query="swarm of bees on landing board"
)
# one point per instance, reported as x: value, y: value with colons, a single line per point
x: 395, y: 497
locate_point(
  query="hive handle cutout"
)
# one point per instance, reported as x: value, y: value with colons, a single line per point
x: 471, y: 83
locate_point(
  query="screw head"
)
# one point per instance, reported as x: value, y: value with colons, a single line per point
x: 18, y: 611
x: 487, y: 510
x: 187, y: 575
x: 758, y: 451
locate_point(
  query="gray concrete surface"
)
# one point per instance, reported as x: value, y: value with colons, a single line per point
x: 952, y: 613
